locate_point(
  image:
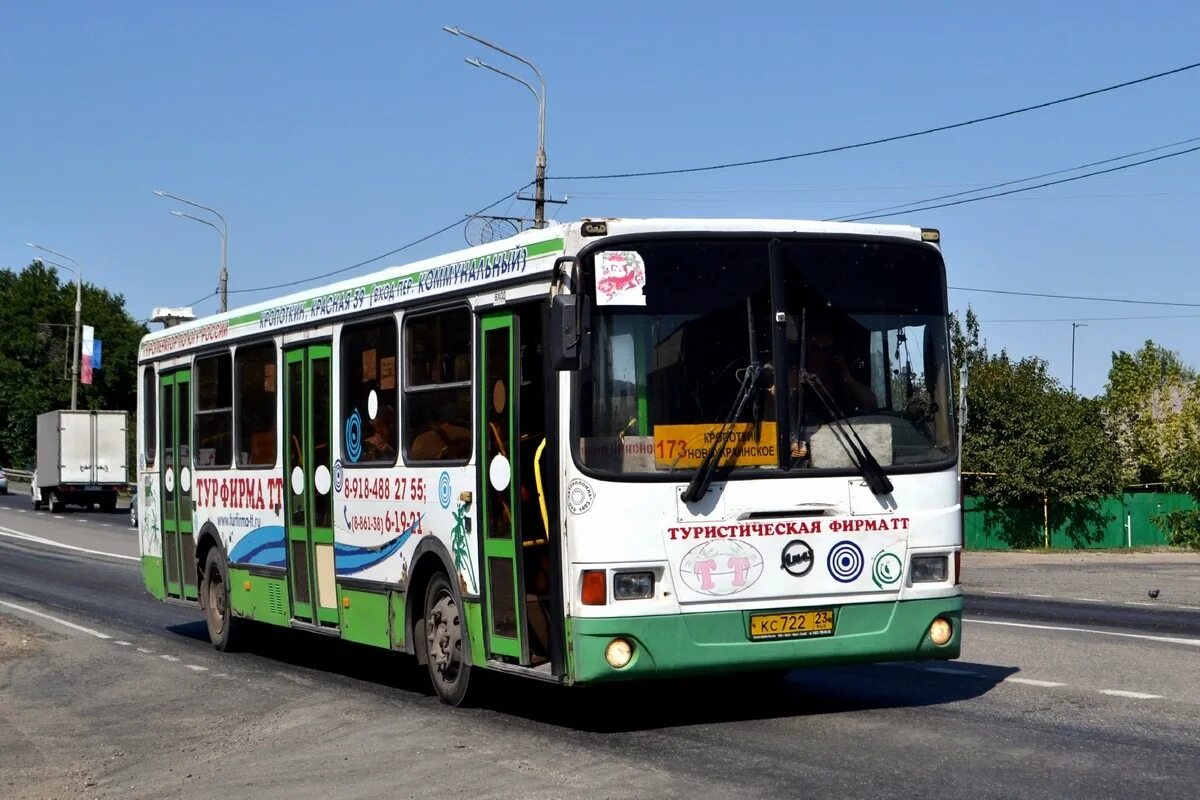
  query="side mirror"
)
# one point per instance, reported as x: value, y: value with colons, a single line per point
x: 564, y: 334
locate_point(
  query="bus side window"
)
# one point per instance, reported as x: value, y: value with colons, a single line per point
x: 437, y: 386
x: 369, y: 392
x: 214, y: 412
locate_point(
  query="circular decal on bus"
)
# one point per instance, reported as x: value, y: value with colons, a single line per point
x: 580, y: 496
x: 500, y: 473
x: 185, y: 480
x: 721, y: 567
x: 444, y: 490
x: 297, y: 480
x: 887, y: 569
x: 322, y: 479
x: 372, y: 405
x: 354, y: 436
x: 845, y: 562
x: 337, y: 476
x: 169, y: 479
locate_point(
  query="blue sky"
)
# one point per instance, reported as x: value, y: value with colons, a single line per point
x: 330, y: 133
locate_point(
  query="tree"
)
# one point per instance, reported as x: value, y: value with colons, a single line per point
x: 37, y: 314
x: 1027, y: 438
x: 1145, y: 394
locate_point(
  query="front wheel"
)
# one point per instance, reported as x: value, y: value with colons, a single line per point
x: 445, y: 653
x: 223, y: 627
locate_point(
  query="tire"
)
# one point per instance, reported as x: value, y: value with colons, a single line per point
x: 224, y: 628
x: 109, y: 504
x: 54, y: 503
x: 36, y: 496
x: 445, y: 644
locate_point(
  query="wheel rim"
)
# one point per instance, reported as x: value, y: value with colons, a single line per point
x: 443, y: 632
x: 215, y: 602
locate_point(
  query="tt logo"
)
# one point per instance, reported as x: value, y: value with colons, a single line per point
x: 797, y: 558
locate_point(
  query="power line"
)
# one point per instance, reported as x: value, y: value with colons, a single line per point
x: 1075, y: 297
x: 1093, y: 319
x: 1024, y: 188
x: 885, y: 140
x: 867, y: 214
x: 413, y: 243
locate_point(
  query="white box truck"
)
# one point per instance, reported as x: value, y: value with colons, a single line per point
x: 80, y: 459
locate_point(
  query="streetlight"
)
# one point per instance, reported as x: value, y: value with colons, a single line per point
x: 223, y: 287
x: 539, y: 201
x: 1074, y: 325
x: 77, y: 353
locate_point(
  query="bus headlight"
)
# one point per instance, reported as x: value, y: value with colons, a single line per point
x: 618, y: 653
x: 940, y: 631
x: 929, y: 569
x: 633, y: 585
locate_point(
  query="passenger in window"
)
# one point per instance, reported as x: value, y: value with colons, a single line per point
x: 442, y: 440
x: 381, y: 444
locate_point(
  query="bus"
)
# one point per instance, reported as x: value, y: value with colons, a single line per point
x: 608, y: 450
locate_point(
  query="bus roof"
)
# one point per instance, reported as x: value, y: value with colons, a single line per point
x: 524, y: 255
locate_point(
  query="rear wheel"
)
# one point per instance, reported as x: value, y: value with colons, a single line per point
x: 445, y: 648
x: 223, y: 627
x: 36, y: 496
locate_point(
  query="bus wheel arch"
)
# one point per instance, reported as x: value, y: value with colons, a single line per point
x: 434, y: 597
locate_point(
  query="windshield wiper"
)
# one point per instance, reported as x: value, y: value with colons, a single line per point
x: 703, y: 477
x: 877, y: 480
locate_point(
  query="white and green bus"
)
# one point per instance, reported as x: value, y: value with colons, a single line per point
x: 607, y: 450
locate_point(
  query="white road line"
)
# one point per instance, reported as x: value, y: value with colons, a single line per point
x: 28, y: 537
x: 1136, y: 603
x: 165, y: 657
x: 144, y: 650
x: 196, y: 668
x: 63, y: 622
x: 1169, y: 639
x: 1045, y: 596
x: 22, y: 510
x: 59, y: 516
x: 1130, y: 695
x: 123, y: 644
x: 1086, y: 600
x: 1032, y: 682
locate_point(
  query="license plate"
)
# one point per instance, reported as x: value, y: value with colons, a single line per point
x: 93, y: 488
x: 792, y: 624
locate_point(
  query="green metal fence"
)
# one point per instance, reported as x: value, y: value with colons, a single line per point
x: 1124, y: 521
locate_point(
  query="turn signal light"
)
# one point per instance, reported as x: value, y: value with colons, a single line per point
x: 595, y: 592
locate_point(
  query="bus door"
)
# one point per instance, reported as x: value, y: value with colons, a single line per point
x: 307, y: 481
x: 179, y: 547
x: 514, y: 524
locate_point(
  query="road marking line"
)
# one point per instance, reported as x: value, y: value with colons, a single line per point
x: 71, y: 625
x: 22, y: 510
x: 1032, y: 682
x: 123, y: 644
x: 196, y: 667
x: 1170, y: 639
x: 1086, y: 600
x: 12, y: 534
x: 59, y: 516
x: 166, y: 657
x: 1130, y: 695
x: 1136, y: 603
x: 144, y: 650
x: 1046, y: 596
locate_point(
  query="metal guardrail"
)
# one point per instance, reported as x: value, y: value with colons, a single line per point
x: 18, y: 475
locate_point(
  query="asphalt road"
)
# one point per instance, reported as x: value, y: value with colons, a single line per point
x: 1053, y: 698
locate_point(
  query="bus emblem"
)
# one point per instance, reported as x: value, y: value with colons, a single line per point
x: 797, y: 558
x: 722, y: 567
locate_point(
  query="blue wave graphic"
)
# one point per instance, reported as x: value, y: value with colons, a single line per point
x: 264, y: 547
x: 349, y: 559
x: 267, y: 547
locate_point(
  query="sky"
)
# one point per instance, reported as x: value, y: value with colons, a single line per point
x: 327, y: 134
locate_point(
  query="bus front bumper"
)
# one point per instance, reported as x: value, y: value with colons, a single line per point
x: 718, y: 642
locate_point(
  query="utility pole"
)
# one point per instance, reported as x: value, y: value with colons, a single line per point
x: 1074, y: 325
x: 76, y: 351
x: 223, y: 230
x: 539, y: 175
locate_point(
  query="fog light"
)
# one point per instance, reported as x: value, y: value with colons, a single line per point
x: 940, y: 631
x: 929, y: 569
x: 633, y: 585
x: 618, y: 653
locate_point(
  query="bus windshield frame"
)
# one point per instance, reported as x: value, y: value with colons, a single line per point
x: 851, y: 330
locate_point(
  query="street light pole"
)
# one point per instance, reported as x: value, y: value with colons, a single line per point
x: 539, y: 181
x: 223, y: 286
x: 77, y: 352
x: 1074, y: 325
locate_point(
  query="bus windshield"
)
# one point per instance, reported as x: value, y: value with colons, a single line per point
x: 842, y: 337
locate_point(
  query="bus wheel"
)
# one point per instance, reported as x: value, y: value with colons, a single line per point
x: 223, y: 627
x: 444, y: 651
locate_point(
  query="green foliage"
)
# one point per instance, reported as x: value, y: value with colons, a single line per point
x: 1183, y: 528
x: 1142, y: 400
x: 37, y: 315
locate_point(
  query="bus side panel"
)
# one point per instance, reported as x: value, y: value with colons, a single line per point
x: 152, y: 576
x: 258, y: 597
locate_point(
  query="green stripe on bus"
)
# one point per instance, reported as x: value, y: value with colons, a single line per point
x: 152, y: 576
